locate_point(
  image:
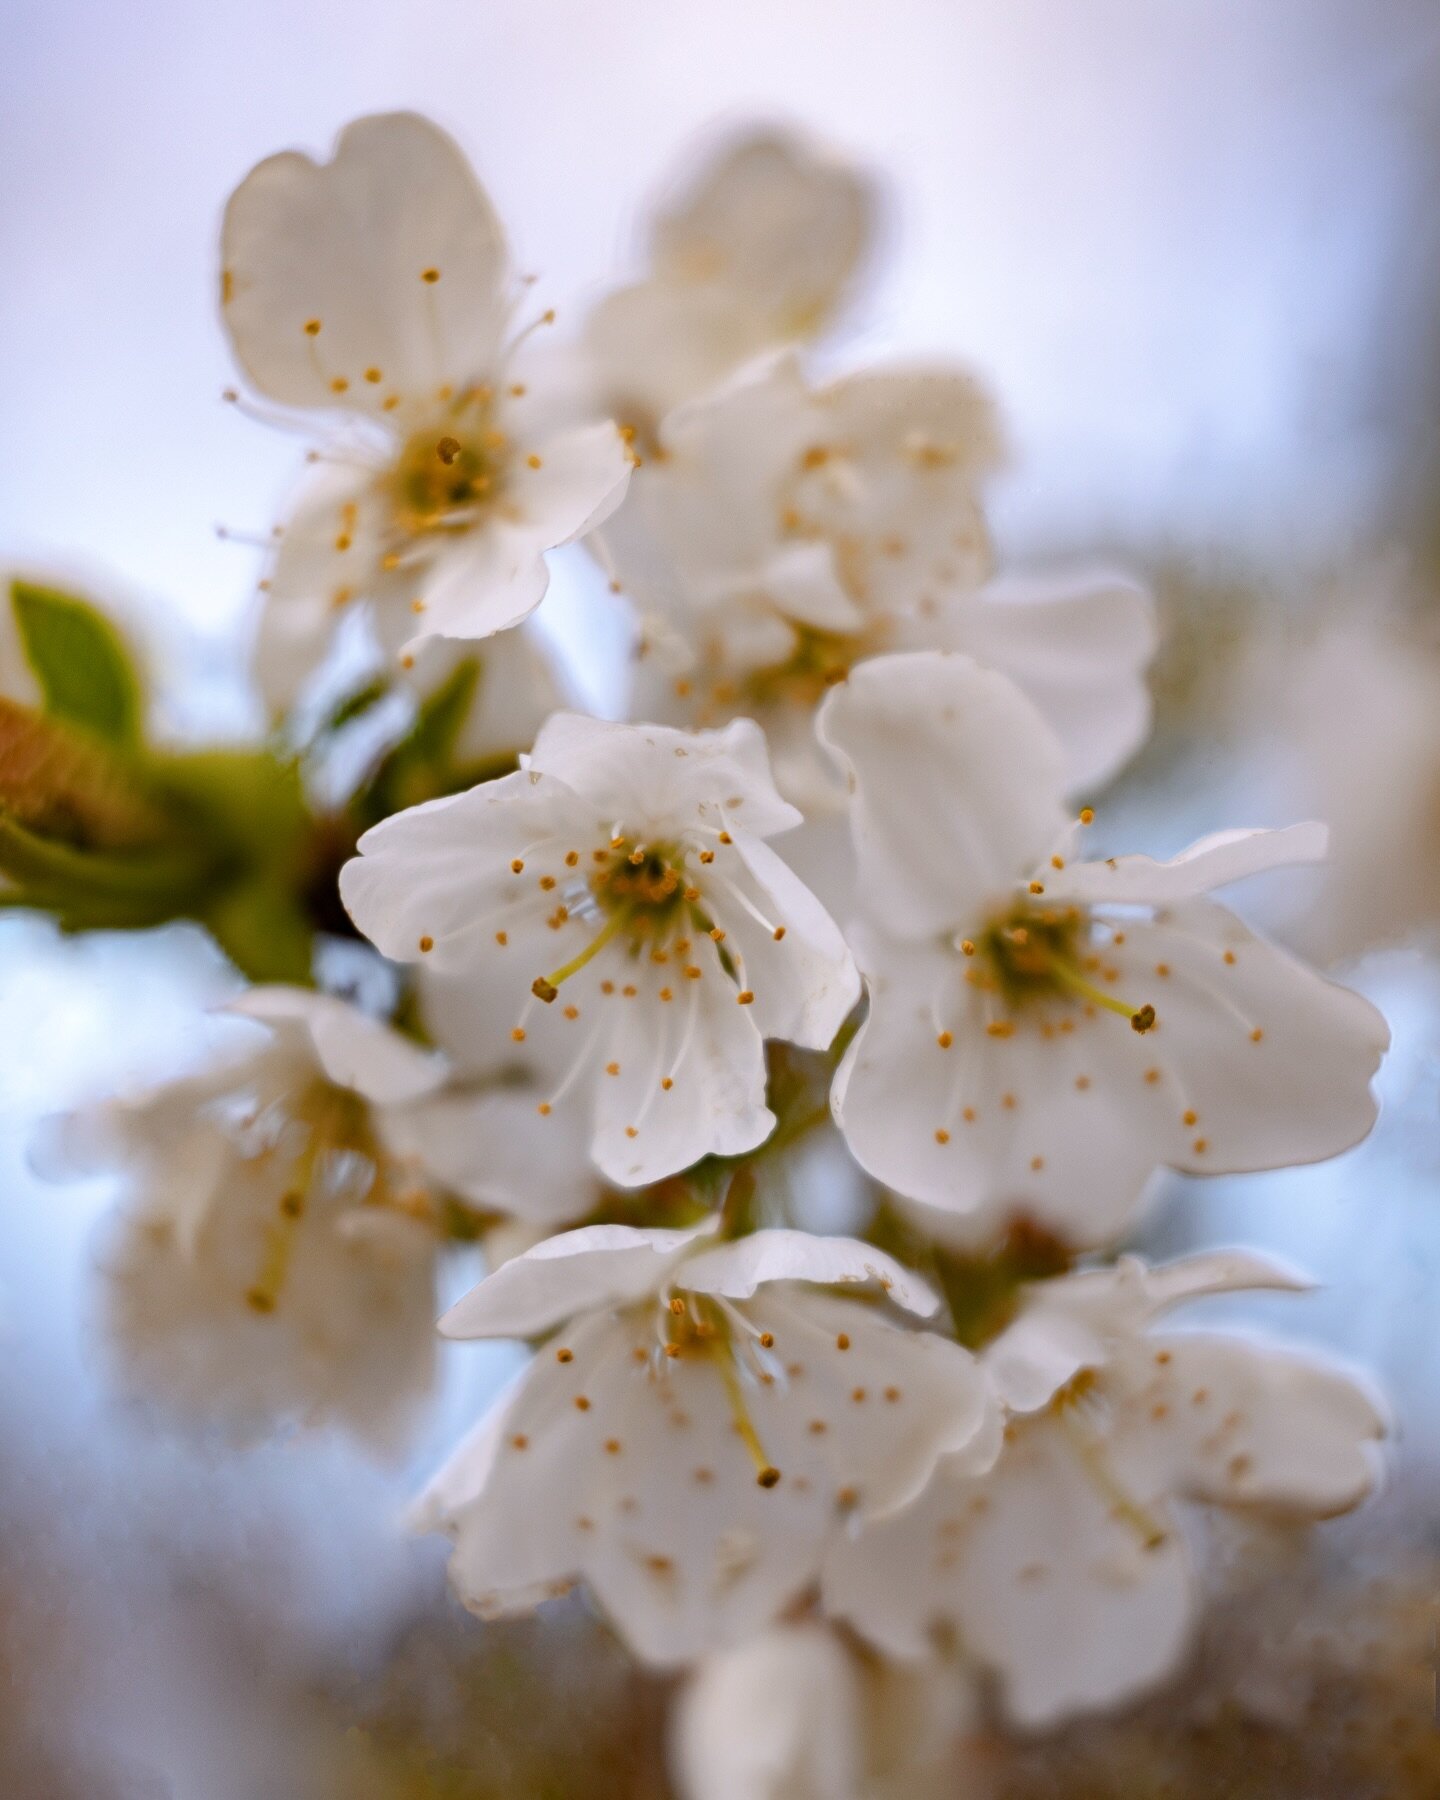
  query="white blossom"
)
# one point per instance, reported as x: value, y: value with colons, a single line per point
x: 1064, y: 1567
x: 274, y: 1261
x: 800, y: 1712
x: 992, y: 1077
x: 375, y: 291
x: 785, y: 533
x: 702, y: 1422
x: 777, y: 1718
x: 616, y: 893
x: 757, y: 250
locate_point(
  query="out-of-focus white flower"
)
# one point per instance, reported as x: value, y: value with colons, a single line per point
x: 991, y: 1076
x: 777, y: 1718
x: 1064, y: 1567
x: 376, y: 289
x: 785, y: 534
x: 797, y: 1713
x: 275, y: 1261
x: 757, y: 251
x: 702, y: 1423
x: 1354, y: 719
x: 618, y: 892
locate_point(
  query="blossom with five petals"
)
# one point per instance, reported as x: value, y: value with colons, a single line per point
x: 618, y: 891
x: 992, y: 1076
x: 1064, y: 1566
x: 787, y: 533
x: 704, y: 1420
x: 276, y: 1264
x: 375, y: 290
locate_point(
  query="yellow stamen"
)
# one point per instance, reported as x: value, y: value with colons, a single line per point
x: 766, y: 1474
x: 1141, y: 1018
x: 545, y: 987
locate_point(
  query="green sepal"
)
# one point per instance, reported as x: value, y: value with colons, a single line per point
x: 86, y: 674
x: 263, y: 929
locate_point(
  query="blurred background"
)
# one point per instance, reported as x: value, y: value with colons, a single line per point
x: 1195, y: 251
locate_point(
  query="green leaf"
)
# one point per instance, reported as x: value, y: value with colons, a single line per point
x: 81, y: 662
x: 62, y: 783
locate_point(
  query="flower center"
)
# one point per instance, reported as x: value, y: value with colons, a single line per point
x: 701, y: 1325
x: 640, y: 892
x: 819, y: 661
x: 446, y: 472
x: 339, y: 1159
x: 1038, y: 953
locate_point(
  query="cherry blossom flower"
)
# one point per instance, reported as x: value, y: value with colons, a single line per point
x: 701, y: 1423
x: 375, y: 291
x: 275, y: 1263
x: 1064, y: 1567
x: 776, y: 1718
x: 757, y: 251
x: 992, y: 1075
x: 787, y: 533
x: 618, y: 892
x: 799, y: 1712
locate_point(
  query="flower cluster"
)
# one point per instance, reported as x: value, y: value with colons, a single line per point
x: 828, y: 886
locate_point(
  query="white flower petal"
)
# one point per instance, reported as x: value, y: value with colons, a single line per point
x: 626, y: 1468
x: 1076, y: 647
x: 645, y: 1491
x: 495, y: 1150
x: 327, y: 557
x: 565, y: 1275
x: 1213, y: 1272
x: 876, y: 1404
x: 1245, y: 1424
x: 956, y: 784
x: 738, y: 1269
x: 799, y: 1696
x: 1209, y: 863
x: 349, y: 244
x: 577, y: 479
x: 775, y: 219
x: 655, y: 780
x: 1065, y: 1601
x: 805, y: 982
x: 354, y: 1050
x: 1063, y: 1129
x: 1272, y: 1059
x: 485, y: 580
x: 1035, y: 1357
x: 688, y: 1074
x: 442, y: 872
x: 655, y: 344
x: 1255, y: 1062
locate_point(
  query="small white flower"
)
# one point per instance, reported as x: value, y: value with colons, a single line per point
x: 702, y: 1423
x: 275, y: 1264
x: 617, y: 893
x: 376, y: 289
x: 777, y: 1718
x: 992, y: 1076
x: 800, y: 1712
x: 757, y: 251
x: 785, y: 534
x: 1064, y: 1567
